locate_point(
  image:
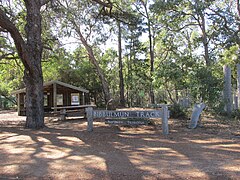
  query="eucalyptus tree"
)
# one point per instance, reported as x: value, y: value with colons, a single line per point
x: 191, y: 29
x: 121, y: 79
x: 225, y: 15
x: 79, y: 19
x: 11, y: 70
x: 123, y: 15
x: 173, y: 63
x: 29, y: 47
x: 149, y: 22
x: 136, y: 68
x: 188, y: 16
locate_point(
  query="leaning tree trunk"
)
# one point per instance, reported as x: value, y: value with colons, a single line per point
x: 227, y: 92
x: 93, y: 60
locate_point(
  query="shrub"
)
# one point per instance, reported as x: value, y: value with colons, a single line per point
x: 177, y: 111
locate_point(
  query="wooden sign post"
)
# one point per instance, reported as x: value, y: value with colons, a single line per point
x: 124, y: 115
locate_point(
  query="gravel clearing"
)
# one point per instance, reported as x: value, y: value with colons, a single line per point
x: 65, y: 150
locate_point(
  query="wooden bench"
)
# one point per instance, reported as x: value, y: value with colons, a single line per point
x: 64, y: 110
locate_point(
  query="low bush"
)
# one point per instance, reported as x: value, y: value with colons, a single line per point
x: 177, y: 111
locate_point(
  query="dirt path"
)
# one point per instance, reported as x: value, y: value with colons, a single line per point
x: 65, y: 150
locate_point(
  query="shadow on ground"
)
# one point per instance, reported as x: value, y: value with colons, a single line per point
x: 66, y: 150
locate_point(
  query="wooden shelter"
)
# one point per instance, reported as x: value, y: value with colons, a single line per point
x: 56, y: 94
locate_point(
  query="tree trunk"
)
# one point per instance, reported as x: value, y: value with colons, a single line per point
x: 30, y: 53
x: 93, y: 60
x: 238, y: 11
x: 227, y: 92
x: 151, y: 93
x: 34, y: 79
x: 34, y: 101
x: 238, y: 83
x: 205, y: 40
x: 176, y: 93
x: 121, y: 80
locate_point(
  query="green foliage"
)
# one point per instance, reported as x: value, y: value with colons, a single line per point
x: 177, y: 111
x: 236, y: 114
x: 230, y: 56
x: 206, y: 85
x: 178, y: 47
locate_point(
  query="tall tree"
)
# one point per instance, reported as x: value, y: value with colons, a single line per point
x: 121, y: 80
x: 80, y: 19
x: 143, y: 4
x: 30, y: 53
x: 189, y: 15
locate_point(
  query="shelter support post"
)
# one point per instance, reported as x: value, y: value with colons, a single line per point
x: 19, y: 104
x: 89, y: 112
x: 63, y: 114
x: 83, y: 98
x: 55, y: 96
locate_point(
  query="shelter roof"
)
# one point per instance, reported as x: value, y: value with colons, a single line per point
x: 46, y: 84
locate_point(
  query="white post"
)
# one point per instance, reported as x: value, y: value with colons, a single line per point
x: 197, y: 110
x: 238, y: 83
x: 165, y: 120
x: 89, y: 112
x: 227, y: 92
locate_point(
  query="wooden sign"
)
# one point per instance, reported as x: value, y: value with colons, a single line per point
x: 127, y: 114
x: 163, y: 113
x: 127, y: 121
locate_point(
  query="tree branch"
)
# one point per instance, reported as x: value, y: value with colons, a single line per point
x: 108, y: 4
x: 43, y: 2
x: 9, y: 99
x: 6, y: 24
x: 3, y: 30
x: 6, y: 56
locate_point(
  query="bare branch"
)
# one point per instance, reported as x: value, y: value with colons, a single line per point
x: 183, y: 27
x: 19, y: 66
x: 7, y: 97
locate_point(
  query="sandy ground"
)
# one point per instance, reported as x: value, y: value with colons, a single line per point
x: 65, y: 150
